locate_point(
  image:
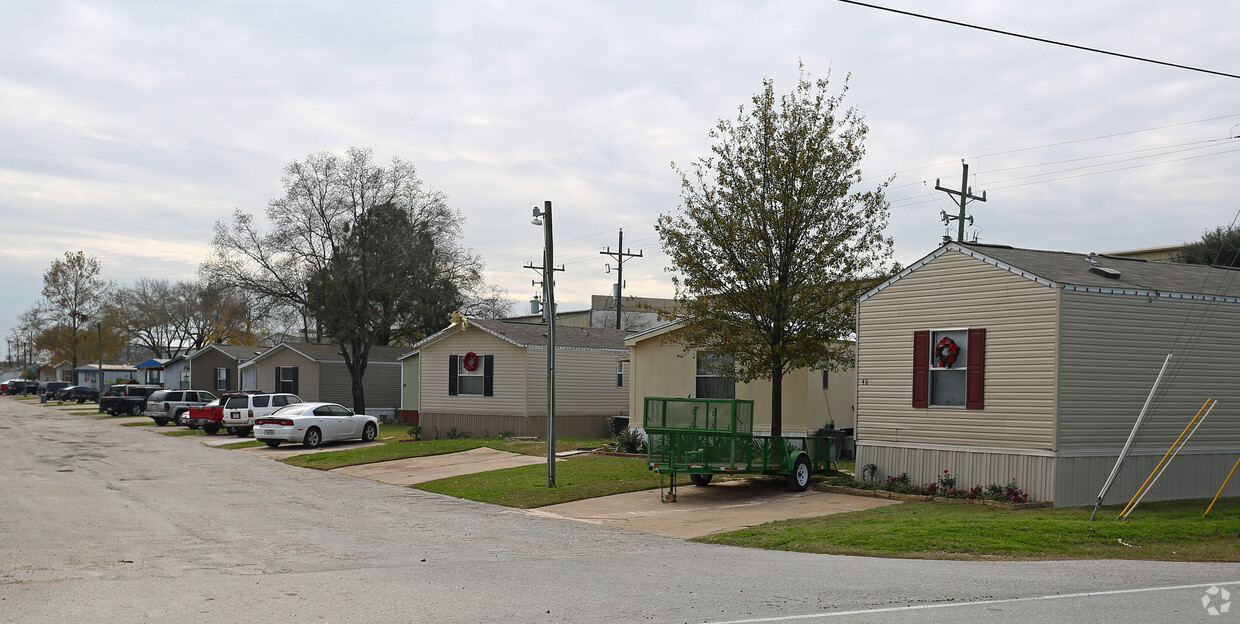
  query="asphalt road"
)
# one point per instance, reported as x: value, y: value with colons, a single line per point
x: 102, y: 523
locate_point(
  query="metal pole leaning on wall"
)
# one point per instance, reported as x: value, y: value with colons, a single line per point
x: 1221, y: 487
x: 1162, y: 467
x: 1119, y: 461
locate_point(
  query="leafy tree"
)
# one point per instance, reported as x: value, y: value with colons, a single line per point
x: 1218, y: 247
x: 73, y: 296
x: 365, y: 255
x: 772, y: 245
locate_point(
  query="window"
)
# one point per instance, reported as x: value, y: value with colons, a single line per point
x: 477, y: 382
x: 714, y: 377
x: 469, y: 381
x: 619, y: 374
x: 221, y: 379
x: 286, y: 379
x: 949, y: 368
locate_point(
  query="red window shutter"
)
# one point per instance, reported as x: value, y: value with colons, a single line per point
x: 921, y: 369
x: 975, y: 379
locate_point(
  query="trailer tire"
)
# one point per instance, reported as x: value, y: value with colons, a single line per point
x: 700, y: 480
x: 798, y: 479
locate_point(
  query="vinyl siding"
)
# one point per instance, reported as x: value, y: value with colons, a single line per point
x: 585, y: 384
x: 666, y: 369
x: 510, y: 374
x: 202, y: 371
x: 307, y: 373
x: 949, y: 292
x: 1034, y: 472
x: 380, y: 384
x: 1112, y: 349
x: 1194, y: 474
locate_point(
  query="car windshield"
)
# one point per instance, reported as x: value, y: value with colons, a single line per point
x: 290, y: 410
x: 237, y: 402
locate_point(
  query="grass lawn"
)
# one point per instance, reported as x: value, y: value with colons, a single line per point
x: 576, y: 478
x: 1165, y: 530
x: 398, y: 447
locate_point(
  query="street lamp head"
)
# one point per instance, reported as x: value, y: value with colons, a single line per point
x: 536, y: 220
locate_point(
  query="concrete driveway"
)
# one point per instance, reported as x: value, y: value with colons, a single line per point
x: 718, y: 507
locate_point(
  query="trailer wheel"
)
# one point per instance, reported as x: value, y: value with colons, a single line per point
x: 798, y: 479
x: 700, y: 480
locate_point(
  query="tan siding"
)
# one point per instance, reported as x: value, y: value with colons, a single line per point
x: 509, y: 376
x: 202, y: 371
x: 307, y: 373
x: 1112, y: 348
x: 954, y: 291
x: 666, y: 369
x: 437, y: 425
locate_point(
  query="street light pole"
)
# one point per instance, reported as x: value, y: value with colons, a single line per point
x: 543, y: 218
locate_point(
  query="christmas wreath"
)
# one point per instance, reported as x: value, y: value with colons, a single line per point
x: 947, y: 352
x: 470, y: 362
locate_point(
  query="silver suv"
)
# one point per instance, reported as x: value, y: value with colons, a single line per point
x: 172, y: 405
x: 240, y: 411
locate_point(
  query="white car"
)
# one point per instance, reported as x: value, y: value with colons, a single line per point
x: 314, y: 423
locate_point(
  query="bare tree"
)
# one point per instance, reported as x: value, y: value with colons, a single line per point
x: 365, y: 254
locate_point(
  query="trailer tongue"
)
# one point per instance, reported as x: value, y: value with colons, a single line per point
x: 704, y: 437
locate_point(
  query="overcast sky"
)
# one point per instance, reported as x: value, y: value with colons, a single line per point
x: 128, y: 128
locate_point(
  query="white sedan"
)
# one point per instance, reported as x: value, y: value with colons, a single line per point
x: 314, y: 423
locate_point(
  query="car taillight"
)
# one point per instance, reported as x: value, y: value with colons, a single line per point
x: 251, y: 412
x: 165, y: 407
x: 274, y: 421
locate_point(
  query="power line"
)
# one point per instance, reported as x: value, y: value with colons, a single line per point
x: 1041, y: 40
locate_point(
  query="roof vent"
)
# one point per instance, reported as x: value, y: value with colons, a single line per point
x: 1104, y: 271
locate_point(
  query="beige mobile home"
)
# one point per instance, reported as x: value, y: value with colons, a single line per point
x: 487, y: 377
x: 999, y: 363
x: 662, y: 367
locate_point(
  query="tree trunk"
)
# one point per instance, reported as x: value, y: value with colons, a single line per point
x: 777, y: 401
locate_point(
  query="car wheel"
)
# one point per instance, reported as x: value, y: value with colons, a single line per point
x: 700, y: 480
x: 211, y: 429
x: 241, y: 432
x: 134, y: 410
x: 272, y: 443
x: 313, y: 438
x: 161, y: 421
x: 798, y: 479
x: 369, y: 432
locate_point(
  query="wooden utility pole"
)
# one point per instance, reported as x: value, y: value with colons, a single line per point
x: 965, y: 194
x: 620, y: 254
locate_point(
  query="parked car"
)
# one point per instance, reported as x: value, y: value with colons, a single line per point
x: 211, y: 416
x: 314, y: 423
x: 126, y: 398
x: 52, y: 387
x: 81, y: 394
x: 240, y: 411
x: 166, y: 406
x: 24, y: 386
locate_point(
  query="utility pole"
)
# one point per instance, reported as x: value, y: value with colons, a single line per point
x: 965, y: 193
x: 543, y: 218
x: 619, y: 254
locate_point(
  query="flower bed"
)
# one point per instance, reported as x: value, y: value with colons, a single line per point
x: 944, y: 489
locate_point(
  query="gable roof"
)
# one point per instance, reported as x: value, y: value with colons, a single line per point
x: 240, y: 353
x: 534, y: 335
x: 330, y: 352
x: 1075, y: 271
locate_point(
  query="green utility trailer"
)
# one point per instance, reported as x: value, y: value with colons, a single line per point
x: 705, y: 437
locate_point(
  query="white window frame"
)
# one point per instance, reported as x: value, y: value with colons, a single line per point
x: 958, y: 370
x: 476, y: 376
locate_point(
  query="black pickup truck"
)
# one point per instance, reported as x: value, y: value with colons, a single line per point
x: 126, y: 399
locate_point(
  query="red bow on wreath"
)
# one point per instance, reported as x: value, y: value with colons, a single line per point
x: 947, y: 352
x: 471, y: 361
